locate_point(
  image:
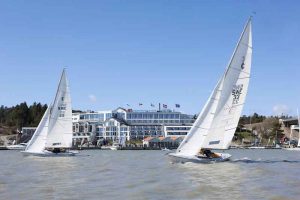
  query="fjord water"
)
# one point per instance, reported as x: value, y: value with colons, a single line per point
x: 96, y: 174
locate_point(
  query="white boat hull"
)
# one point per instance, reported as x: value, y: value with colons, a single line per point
x: 293, y: 149
x: 16, y: 147
x: 176, y: 158
x: 50, y: 154
x: 113, y: 148
x: 256, y: 147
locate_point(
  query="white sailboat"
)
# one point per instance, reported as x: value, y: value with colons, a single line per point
x: 217, y: 122
x: 53, y: 136
x: 298, y: 145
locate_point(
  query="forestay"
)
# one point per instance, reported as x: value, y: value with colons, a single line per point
x: 217, y: 122
x: 60, y: 125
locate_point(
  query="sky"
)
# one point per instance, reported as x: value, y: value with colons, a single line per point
x: 130, y: 52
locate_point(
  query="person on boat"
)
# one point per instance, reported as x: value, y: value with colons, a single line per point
x: 56, y: 150
x: 209, y: 154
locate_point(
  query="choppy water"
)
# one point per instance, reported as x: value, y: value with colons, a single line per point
x: 95, y: 174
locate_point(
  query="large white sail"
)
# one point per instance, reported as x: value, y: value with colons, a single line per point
x: 38, y: 140
x: 60, y: 123
x: 216, y: 124
x: 234, y: 91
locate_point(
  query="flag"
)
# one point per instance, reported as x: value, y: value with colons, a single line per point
x: 177, y: 105
x: 165, y: 106
x: 140, y: 104
x: 152, y: 105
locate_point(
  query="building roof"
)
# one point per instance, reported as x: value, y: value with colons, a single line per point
x: 289, y: 119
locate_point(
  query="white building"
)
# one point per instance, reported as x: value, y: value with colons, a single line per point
x: 129, y: 124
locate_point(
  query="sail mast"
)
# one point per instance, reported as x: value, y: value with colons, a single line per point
x: 298, y: 128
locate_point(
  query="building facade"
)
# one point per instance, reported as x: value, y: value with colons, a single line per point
x: 127, y: 124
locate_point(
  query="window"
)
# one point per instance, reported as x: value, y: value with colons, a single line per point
x: 108, y: 115
x: 111, y: 123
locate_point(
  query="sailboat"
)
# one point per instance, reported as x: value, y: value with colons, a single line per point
x: 53, y: 136
x: 298, y: 145
x: 216, y: 124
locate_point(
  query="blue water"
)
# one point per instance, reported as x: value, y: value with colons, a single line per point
x: 96, y: 174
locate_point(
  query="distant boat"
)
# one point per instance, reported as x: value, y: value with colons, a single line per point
x: 165, y: 149
x: 20, y: 146
x: 256, y: 147
x: 115, y: 146
x: 53, y: 136
x: 216, y: 124
x: 298, y: 145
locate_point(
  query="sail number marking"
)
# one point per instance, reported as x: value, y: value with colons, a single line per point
x: 214, y: 142
x: 236, y: 93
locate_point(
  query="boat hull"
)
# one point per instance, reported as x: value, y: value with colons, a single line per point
x: 16, y: 147
x: 293, y: 149
x: 176, y: 158
x: 50, y: 154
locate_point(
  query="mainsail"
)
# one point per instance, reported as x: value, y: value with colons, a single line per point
x: 60, y: 123
x: 217, y: 122
x: 38, y: 140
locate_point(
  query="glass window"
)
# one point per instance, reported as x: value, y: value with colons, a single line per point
x: 108, y: 115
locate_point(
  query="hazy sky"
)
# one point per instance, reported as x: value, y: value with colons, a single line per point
x: 127, y: 52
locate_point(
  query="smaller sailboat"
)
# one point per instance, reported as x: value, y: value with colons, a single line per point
x: 53, y: 136
x: 218, y: 120
x: 298, y: 145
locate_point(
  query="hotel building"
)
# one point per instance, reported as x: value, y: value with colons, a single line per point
x: 127, y: 124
